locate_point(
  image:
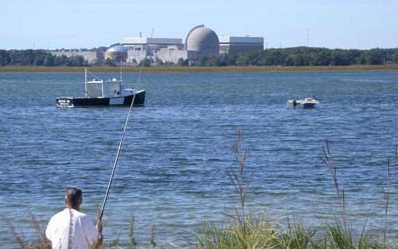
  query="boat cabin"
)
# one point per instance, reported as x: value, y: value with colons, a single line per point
x: 104, y: 89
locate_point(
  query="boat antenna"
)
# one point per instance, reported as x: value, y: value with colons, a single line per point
x: 139, y: 76
x: 85, y: 81
x: 121, y: 70
x: 119, y: 150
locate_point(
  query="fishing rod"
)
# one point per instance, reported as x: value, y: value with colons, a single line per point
x: 119, y: 150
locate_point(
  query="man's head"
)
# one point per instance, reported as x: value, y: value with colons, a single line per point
x: 73, y: 198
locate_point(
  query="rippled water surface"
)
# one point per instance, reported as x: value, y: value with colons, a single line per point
x: 172, y: 170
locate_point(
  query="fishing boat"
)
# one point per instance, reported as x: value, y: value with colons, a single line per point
x: 303, y: 103
x: 99, y: 92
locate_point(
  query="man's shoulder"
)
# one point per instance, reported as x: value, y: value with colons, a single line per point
x: 59, y: 217
x: 67, y: 212
x: 79, y: 215
x: 60, y: 213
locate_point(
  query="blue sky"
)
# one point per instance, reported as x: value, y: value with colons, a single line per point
x: 51, y: 24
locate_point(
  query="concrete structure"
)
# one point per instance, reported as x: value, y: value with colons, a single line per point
x: 140, y: 48
x: 117, y: 53
x: 240, y: 45
x: 171, y: 55
x: 151, y: 45
x: 91, y: 56
x: 202, y: 41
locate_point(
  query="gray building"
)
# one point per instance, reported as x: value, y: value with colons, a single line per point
x: 240, y: 45
x: 201, y: 41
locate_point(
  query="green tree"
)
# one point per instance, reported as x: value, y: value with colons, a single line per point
x: 146, y: 62
x: 4, y: 58
x: 182, y: 63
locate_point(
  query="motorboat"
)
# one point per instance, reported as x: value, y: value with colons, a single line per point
x: 303, y: 103
x: 308, y: 102
x: 99, y: 92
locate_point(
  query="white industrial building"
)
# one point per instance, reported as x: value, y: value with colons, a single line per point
x: 151, y: 44
x: 200, y: 41
x: 140, y: 48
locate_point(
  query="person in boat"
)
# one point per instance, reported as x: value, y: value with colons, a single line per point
x: 294, y: 102
x: 71, y: 228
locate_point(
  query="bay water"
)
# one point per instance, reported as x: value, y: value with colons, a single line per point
x: 172, y: 172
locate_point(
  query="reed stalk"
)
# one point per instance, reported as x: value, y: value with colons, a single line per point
x: 329, y: 162
x: 152, y: 236
x: 386, y: 197
x: 132, y: 242
x: 42, y: 241
x: 238, y: 178
x: 14, y: 232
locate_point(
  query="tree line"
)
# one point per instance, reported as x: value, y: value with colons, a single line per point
x: 297, y: 56
x: 303, y: 56
x: 31, y: 57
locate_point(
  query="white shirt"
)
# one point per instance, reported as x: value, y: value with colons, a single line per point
x: 82, y: 235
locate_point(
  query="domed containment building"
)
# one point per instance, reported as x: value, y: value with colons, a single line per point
x: 202, y: 41
x: 117, y: 53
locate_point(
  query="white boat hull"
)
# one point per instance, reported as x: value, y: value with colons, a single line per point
x: 306, y: 103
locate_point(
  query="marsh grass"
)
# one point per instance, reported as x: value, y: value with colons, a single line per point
x: 238, y: 178
x: 258, y: 232
x: 39, y: 243
x: 132, y: 240
x: 14, y: 232
x: 250, y: 232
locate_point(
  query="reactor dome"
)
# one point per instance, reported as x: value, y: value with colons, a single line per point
x: 202, y: 40
x: 117, y: 53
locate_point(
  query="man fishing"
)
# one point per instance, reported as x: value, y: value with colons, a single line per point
x: 70, y: 229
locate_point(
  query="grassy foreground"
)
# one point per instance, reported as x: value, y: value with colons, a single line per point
x: 262, y: 233
x: 176, y: 69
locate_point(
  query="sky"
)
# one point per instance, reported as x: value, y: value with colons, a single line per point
x: 56, y: 24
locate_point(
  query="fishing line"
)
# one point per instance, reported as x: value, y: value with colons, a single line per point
x: 119, y: 150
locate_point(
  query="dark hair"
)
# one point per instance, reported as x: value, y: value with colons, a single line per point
x: 72, y: 197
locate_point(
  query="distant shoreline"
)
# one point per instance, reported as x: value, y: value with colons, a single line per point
x: 235, y: 69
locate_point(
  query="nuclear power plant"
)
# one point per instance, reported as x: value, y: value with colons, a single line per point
x: 200, y: 41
